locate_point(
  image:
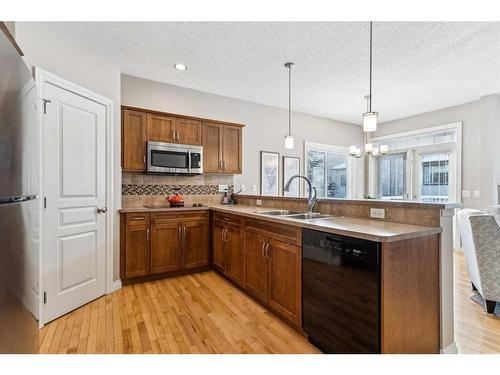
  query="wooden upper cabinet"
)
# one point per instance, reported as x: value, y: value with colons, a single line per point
x: 222, y: 151
x: 231, y: 149
x: 195, y: 249
x: 188, y: 131
x: 211, y: 138
x: 134, y: 137
x: 160, y: 128
x: 284, y: 280
x: 222, y: 142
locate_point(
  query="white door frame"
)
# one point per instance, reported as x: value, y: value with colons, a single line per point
x: 41, y: 77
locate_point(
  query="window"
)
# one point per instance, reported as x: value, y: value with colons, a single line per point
x: 327, y: 168
x: 392, y: 176
x: 434, y: 177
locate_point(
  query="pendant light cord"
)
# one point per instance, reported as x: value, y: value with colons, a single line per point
x: 290, y: 100
x: 370, y: 99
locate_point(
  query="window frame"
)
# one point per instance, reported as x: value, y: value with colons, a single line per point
x: 335, y: 149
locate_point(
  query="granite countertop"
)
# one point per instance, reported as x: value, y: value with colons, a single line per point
x: 374, y: 230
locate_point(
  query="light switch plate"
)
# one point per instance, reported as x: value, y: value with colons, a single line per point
x: 465, y: 193
x: 222, y: 188
x: 476, y: 194
x: 243, y: 188
x: 254, y: 188
x: 377, y: 213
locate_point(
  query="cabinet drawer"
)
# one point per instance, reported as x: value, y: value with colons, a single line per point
x: 228, y: 218
x: 168, y: 217
x: 281, y: 232
x: 138, y: 218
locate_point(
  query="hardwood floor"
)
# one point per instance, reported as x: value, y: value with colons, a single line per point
x: 200, y: 313
x: 203, y: 313
x: 475, y: 331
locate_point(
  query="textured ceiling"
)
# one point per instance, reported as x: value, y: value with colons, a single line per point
x: 418, y: 66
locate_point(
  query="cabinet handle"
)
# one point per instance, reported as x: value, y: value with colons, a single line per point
x: 267, y: 251
x: 262, y: 249
x: 220, y: 164
x: 147, y: 234
x: 179, y: 231
x: 144, y: 159
x: 223, y: 165
x: 184, y: 231
x: 172, y: 134
x: 178, y: 136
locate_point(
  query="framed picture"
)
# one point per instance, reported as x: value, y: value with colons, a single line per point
x: 269, y: 173
x: 291, y: 167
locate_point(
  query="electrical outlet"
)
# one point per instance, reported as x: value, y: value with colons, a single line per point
x: 258, y: 202
x: 254, y: 188
x: 465, y: 193
x: 377, y: 213
x: 243, y: 188
x: 476, y: 194
x: 222, y: 188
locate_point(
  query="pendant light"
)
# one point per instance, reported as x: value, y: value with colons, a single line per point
x: 369, y: 119
x: 289, y: 139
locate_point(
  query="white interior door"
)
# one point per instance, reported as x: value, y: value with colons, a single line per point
x: 75, y: 187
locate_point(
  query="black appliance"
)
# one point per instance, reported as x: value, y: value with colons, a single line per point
x: 341, y: 292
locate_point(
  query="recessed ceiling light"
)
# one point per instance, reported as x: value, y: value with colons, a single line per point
x: 181, y: 67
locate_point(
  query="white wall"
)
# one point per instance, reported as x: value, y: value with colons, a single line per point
x: 57, y: 49
x: 265, y: 126
x: 474, y: 170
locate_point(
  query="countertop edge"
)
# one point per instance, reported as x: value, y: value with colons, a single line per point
x: 421, y: 232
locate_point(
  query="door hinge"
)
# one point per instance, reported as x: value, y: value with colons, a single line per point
x: 45, y: 101
x: 44, y: 297
x: 44, y: 202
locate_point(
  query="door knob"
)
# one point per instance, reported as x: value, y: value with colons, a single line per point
x: 101, y: 210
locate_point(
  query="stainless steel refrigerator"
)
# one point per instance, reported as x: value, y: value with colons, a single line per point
x: 19, y: 204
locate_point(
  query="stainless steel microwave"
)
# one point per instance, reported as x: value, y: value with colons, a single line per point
x: 172, y: 158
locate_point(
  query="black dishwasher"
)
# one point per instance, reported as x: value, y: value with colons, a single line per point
x: 341, y: 292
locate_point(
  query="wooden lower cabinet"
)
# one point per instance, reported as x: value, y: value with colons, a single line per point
x: 284, y: 279
x: 255, y: 262
x: 218, y: 245
x: 166, y: 246
x: 234, y: 254
x: 159, y: 243
x: 195, y: 249
x: 136, y: 246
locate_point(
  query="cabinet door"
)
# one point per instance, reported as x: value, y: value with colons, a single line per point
x: 284, y: 280
x: 188, y: 131
x: 137, y: 247
x: 231, y: 149
x: 234, y: 254
x: 218, y: 245
x: 211, y: 140
x: 133, y: 140
x: 160, y: 128
x: 255, y: 280
x: 166, y: 250
x: 195, y: 250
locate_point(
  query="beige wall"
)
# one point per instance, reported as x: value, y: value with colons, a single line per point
x: 474, y: 116
x: 265, y: 126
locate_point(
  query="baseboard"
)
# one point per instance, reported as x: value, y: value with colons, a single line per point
x: 450, y: 349
x: 117, y: 285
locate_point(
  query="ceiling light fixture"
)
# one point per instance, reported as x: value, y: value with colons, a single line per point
x: 289, y: 139
x: 369, y: 119
x: 180, y: 67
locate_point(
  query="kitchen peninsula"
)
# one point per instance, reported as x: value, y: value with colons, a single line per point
x: 260, y: 252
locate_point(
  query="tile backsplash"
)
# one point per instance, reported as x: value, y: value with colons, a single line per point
x: 139, y: 189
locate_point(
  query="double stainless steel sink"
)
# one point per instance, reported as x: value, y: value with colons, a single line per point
x: 294, y: 214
